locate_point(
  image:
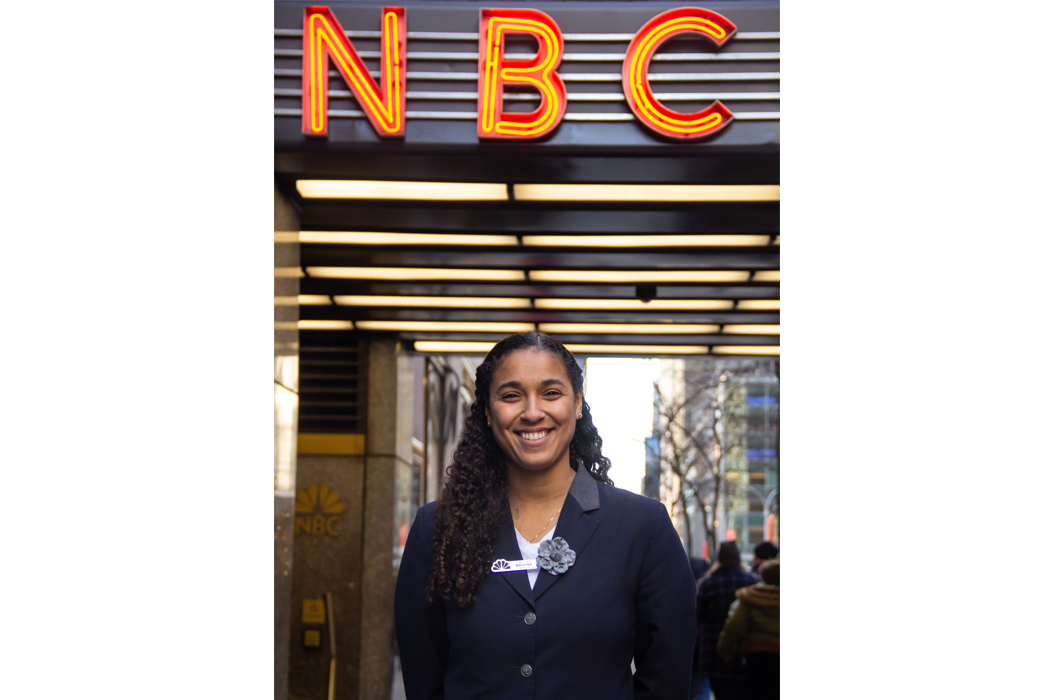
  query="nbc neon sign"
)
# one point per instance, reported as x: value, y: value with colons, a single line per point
x: 325, y: 43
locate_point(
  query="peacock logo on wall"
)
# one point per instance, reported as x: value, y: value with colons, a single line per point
x: 317, y: 511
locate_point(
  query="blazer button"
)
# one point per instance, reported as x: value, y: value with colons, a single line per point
x: 530, y: 617
x: 526, y: 670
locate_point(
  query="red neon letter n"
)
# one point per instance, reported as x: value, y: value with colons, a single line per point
x: 324, y: 38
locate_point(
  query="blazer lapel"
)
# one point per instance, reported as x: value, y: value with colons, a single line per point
x: 574, y: 525
x: 507, y: 548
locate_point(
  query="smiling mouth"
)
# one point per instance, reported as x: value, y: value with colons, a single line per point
x: 539, y: 435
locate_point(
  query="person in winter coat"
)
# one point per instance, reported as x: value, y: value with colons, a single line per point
x: 714, y: 595
x: 753, y: 630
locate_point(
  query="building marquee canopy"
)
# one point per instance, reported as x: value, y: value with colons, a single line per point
x: 557, y: 73
x: 508, y: 98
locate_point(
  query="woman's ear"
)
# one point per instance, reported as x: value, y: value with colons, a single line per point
x: 579, y: 403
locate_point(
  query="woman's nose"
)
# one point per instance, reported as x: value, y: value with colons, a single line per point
x: 532, y: 412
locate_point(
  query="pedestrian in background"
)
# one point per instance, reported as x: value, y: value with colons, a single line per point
x: 699, y: 566
x: 753, y: 630
x: 701, y: 687
x: 764, y: 551
x: 715, y: 593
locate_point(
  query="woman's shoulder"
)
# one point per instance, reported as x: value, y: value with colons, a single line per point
x: 628, y: 505
x: 425, y: 517
x: 628, y: 499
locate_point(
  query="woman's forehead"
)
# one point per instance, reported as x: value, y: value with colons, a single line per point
x: 530, y: 366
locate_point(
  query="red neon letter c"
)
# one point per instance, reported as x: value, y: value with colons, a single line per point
x: 636, y: 86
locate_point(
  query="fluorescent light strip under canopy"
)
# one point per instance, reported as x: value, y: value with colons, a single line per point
x: 435, y: 302
x: 670, y: 241
x: 637, y: 349
x: 308, y: 325
x: 414, y: 273
x: 752, y: 328
x: 465, y: 239
x: 758, y: 305
x: 637, y: 304
x: 452, y: 346
x: 380, y: 238
x: 650, y: 328
x: 638, y: 276
x: 647, y: 193
x: 767, y: 276
x: 314, y: 300
x: 746, y: 350
x: 551, y: 303
x: 383, y: 189
x: 445, y: 326
x: 472, y: 348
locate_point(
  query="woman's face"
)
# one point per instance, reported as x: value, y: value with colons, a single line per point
x: 532, y: 410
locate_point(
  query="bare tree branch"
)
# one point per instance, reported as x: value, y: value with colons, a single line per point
x: 701, y: 431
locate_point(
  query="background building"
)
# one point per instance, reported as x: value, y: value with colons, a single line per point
x: 713, y: 456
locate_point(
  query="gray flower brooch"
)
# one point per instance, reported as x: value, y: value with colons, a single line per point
x: 555, y: 556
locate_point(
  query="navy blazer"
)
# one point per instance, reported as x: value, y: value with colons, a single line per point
x: 629, y: 595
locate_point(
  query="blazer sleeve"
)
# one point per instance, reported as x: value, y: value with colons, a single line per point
x: 421, y: 635
x: 665, y: 628
x: 733, y: 631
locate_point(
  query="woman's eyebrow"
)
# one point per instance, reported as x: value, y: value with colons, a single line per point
x: 514, y: 384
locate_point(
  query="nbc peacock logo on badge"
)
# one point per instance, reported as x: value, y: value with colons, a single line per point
x: 318, y: 511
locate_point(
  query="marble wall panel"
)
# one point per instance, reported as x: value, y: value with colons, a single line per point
x: 328, y: 545
x: 377, y: 581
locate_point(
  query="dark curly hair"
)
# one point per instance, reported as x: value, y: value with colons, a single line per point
x: 475, y: 494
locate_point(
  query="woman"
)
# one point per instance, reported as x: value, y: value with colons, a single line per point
x: 753, y: 630
x: 714, y: 595
x: 533, y: 577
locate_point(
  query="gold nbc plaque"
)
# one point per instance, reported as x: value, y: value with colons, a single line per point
x: 318, y: 511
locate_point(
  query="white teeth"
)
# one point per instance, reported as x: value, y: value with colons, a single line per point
x: 535, y: 436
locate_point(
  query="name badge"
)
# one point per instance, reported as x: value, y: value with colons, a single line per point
x: 502, y: 565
